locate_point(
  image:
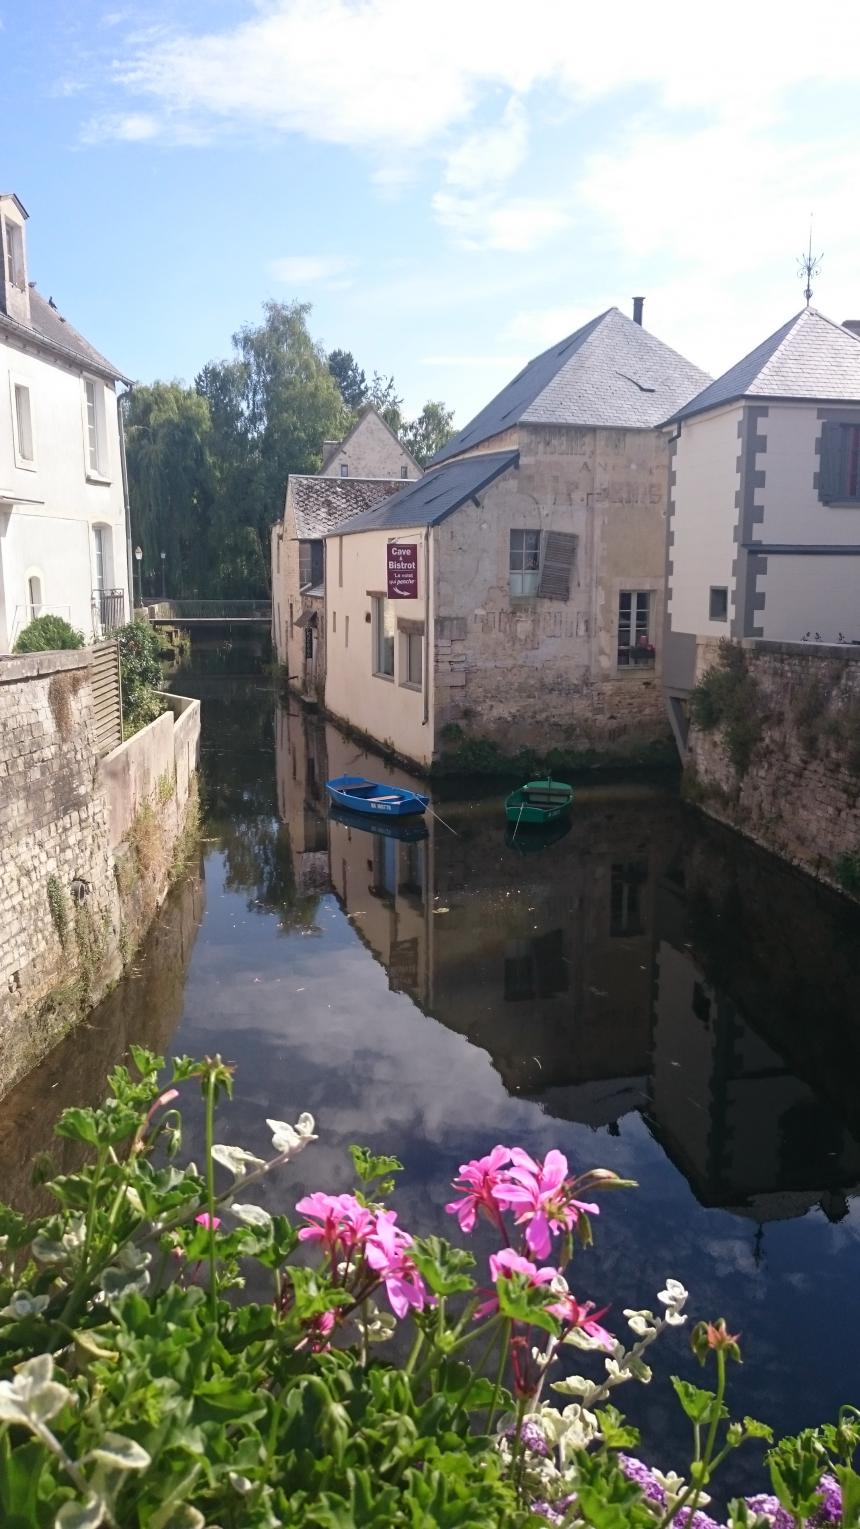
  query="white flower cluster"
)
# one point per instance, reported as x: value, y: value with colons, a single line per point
x: 623, y: 1363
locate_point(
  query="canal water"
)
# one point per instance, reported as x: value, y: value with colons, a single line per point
x: 648, y: 994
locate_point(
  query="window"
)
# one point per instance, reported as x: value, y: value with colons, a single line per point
x: 839, y: 474
x: 309, y: 641
x: 310, y: 564
x: 634, y: 628
x: 23, y: 425
x: 404, y: 472
x: 291, y: 618
x: 99, y: 545
x: 96, y: 432
x: 524, y: 562
x: 383, y: 637
x: 718, y: 607
x: 344, y: 469
x: 34, y: 595
x: 14, y: 255
x: 625, y: 904
x: 412, y: 668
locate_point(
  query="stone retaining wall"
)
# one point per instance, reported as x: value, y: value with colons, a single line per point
x: 800, y: 793
x: 86, y: 846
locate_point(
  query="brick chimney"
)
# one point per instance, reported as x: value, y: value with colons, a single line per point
x: 853, y: 325
x: 638, y: 305
x: 14, y: 292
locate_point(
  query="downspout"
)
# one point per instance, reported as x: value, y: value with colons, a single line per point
x: 125, y: 500
x: 427, y: 647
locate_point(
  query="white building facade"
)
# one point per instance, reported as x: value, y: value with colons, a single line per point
x: 64, y: 541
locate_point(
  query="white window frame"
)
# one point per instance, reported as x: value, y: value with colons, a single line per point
x: 378, y: 632
x: 15, y: 273
x: 407, y: 678
x: 26, y: 463
x: 523, y: 582
x: 34, y: 608
x: 96, y: 462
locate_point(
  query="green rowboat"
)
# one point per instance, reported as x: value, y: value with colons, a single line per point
x: 538, y: 802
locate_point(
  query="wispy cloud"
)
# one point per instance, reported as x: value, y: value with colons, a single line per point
x: 501, y: 221
x: 451, y: 361
x: 309, y: 270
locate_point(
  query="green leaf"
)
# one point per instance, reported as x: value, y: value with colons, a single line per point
x: 614, y: 1432
x: 443, y: 1266
x: 697, y: 1403
x: 369, y: 1166
x: 78, y: 1125
x: 849, y: 1481
x: 20, y: 1477
x: 523, y: 1302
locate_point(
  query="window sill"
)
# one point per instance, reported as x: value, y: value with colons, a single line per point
x: 389, y: 678
x: 25, y: 466
x: 635, y: 671
x: 841, y: 504
x: 94, y: 477
x: 410, y: 685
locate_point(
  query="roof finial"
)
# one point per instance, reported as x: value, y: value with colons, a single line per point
x: 809, y: 265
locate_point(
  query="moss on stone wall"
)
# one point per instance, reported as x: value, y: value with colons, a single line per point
x: 727, y: 697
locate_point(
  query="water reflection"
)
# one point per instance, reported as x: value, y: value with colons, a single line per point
x: 588, y: 970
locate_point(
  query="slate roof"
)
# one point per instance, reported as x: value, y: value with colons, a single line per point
x: 809, y: 357
x: 322, y: 504
x: 47, y: 324
x: 610, y: 373
x: 438, y: 494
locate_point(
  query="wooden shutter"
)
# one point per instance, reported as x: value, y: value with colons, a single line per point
x: 107, y: 695
x: 830, y: 469
x: 557, y: 562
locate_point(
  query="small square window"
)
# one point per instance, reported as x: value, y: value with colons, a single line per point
x: 404, y: 472
x: 524, y: 562
x: 344, y: 469
x: 718, y: 607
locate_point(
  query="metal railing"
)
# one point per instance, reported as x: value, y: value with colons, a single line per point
x: 109, y: 606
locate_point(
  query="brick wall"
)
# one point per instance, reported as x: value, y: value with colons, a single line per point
x: 73, y: 901
x: 800, y: 794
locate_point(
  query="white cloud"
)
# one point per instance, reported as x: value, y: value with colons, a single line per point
x: 470, y: 361
x: 500, y: 221
x: 492, y: 154
x: 296, y: 270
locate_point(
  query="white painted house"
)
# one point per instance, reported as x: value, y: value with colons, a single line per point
x: 764, y: 502
x: 63, y: 506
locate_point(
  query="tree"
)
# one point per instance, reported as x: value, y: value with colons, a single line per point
x: 428, y: 433
x: 384, y: 397
x: 171, y: 481
x: 349, y: 377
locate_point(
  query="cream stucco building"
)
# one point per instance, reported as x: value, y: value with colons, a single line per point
x: 764, y: 534
x: 367, y: 466
x: 63, y: 516
x: 539, y: 534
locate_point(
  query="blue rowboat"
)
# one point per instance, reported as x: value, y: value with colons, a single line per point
x: 367, y: 796
x: 408, y: 830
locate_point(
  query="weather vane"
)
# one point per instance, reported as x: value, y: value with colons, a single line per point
x: 809, y: 265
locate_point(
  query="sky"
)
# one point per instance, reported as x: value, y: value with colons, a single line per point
x: 452, y: 184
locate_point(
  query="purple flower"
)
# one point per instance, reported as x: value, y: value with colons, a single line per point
x: 698, y: 1520
x: 532, y: 1437
x: 637, y: 1470
x: 830, y: 1511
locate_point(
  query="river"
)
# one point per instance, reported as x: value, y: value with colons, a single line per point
x: 649, y: 994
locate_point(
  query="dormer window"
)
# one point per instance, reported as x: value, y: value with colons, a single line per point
x: 15, y: 274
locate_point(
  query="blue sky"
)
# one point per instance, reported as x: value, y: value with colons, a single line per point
x: 453, y: 185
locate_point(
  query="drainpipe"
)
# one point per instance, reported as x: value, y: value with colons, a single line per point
x: 125, y: 499
x: 428, y: 649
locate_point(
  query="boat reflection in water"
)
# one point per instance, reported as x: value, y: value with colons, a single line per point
x: 630, y: 959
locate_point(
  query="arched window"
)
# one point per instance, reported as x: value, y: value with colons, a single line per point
x: 34, y: 595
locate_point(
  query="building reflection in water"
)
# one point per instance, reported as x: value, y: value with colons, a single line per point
x: 640, y: 963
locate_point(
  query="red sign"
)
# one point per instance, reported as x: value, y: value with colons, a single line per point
x: 402, y: 558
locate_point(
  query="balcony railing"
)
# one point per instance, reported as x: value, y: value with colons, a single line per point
x: 110, y: 608
x: 636, y: 656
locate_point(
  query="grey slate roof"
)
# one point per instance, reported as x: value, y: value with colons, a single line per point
x: 610, y: 373
x: 809, y: 357
x: 47, y: 324
x: 322, y: 504
x: 438, y: 494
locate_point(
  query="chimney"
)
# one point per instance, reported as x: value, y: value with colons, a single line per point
x: 853, y: 325
x: 14, y: 291
x: 638, y: 304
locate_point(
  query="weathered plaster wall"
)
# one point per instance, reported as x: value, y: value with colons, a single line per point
x: 86, y: 846
x: 703, y: 518
x: 800, y: 795
x: 388, y: 709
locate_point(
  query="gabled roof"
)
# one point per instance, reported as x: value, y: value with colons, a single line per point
x: 438, y: 494
x: 48, y: 325
x: 323, y: 504
x: 367, y: 409
x: 610, y: 373
x: 809, y: 357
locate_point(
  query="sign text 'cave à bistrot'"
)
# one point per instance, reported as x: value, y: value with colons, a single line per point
x: 402, y: 568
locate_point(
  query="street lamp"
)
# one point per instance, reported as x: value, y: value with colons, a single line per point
x: 163, y: 568
x: 138, y: 553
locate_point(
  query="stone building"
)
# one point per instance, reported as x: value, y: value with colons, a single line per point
x: 367, y: 466
x: 63, y: 506
x: 539, y: 536
x: 765, y: 488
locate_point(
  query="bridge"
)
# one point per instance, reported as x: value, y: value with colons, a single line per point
x: 210, y: 615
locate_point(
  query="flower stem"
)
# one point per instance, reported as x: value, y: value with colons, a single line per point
x: 210, y: 1192
x: 503, y: 1354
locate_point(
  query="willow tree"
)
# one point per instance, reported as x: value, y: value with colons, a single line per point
x: 171, y: 483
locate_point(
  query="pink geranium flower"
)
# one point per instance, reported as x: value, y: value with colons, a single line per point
x: 204, y: 1219
x: 477, y: 1181
x: 506, y: 1263
x: 574, y: 1313
x: 540, y: 1194
x: 387, y: 1253
x: 339, y: 1222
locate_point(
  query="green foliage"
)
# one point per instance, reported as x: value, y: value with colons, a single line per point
x: 48, y: 634
x: 140, y: 669
x: 350, y: 378
x: 59, y: 908
x: 847, y: 871
x: 728, y: 697
x: 428, y: 433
